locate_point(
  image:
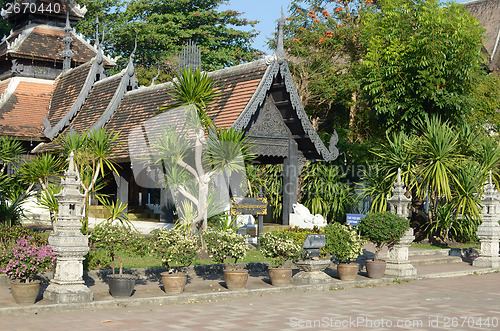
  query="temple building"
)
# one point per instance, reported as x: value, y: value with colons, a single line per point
x: 54, y: 82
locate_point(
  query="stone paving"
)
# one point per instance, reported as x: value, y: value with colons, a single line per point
x: 458, y: 303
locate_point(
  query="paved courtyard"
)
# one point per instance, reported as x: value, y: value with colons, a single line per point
x: 458, y: 303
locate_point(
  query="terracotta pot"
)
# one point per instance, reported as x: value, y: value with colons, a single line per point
x: 236, y: 279
x: 25, y: 293
x: 375, y: 269
x: 174, y: 283
x: 347, y: 271
x: 280, y: 276
x: 121, y: 286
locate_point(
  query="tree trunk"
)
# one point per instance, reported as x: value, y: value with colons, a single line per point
x: 352, y: 117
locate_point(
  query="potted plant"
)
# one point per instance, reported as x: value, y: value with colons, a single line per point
x: 280, y: 247
x: 27, y: 260
x: 345, y: 245
x: 382, y: 229
x: 174, y: 247
x: 112, y: 238
x: 227, y: 244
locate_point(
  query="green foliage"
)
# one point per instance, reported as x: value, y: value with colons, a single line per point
x: 227, y: 244
x: 116, y: 211
x: 383, y: 229
x: 11, y: 213
x: 343, y: 242
x: 299, y: 235
x: 164, y: 27
x: 223, y: 222
x: 113, y: 238
x: 96, y: 259
x: 175, y: 246
x: 422, y: 58
x: 324, y: 193
x: 10, y: 234
x: 280, y: 247
x: 10, y: 152
x: 269, y: 177
x: 375, y: 185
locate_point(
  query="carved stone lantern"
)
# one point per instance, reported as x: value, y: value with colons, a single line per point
x: 489, y: 230
x: 69, y: 244
x: 398, y: 263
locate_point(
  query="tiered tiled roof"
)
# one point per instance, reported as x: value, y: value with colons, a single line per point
x: 488, y: 13
x: 100, y: 96
x: 32, y: 43
x: 235, y: 88
x: 66, y: 91
x: 23, y: 105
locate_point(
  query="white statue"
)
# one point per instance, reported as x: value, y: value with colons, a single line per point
x: 303, y: 218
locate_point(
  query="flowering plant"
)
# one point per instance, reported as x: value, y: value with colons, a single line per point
x: 175, y: 246
x: 343, y: 242
x: 27, y: 260
x: 223, y: 244
x: 383, y: 229
x: 280, y: 247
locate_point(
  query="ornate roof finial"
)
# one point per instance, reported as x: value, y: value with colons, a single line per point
x: 280, y: 50
x: 97, y: 43
x: 130, y: 67
x: 67, y: 53
x: 155, y: 77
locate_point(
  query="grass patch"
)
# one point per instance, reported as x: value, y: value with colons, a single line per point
x: 424, y: 246
x: 132, y: 261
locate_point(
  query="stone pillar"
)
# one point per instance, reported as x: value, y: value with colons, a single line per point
x: 69, y: 244
x: 489, y: 230
x: 122, y: 179
x: 398, y: 263
x: 290, y: 180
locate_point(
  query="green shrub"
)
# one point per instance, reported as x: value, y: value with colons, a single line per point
x: 383, y: 229
x: 10, y: 235
x: 175, y: 246
x: 343, y: 242
x: 280, y: 247
x: 96, y: 259
x: 225, y: 245
x: 299, y: 235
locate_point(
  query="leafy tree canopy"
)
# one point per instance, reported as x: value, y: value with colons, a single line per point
x: 163, y: 27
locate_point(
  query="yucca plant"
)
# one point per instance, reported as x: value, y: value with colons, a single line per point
x: 324, y: 192
x: 375, y: 185
x: 10, y: 152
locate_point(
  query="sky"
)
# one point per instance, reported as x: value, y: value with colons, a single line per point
x: 265, y: 11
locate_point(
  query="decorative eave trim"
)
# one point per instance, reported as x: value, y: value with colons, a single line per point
x: 127, y: 80
x: 51, y: 132
x: 13, y: 46
x: 92, y: 47
x: 76, y: 8
x: 258, y: 97
x: 328, y: 155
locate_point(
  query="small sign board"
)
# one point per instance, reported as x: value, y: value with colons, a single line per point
x: 252, y: 206
x: 354, y: 219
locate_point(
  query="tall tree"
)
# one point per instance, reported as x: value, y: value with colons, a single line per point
x: 422, y: 58
x: 163, y: 27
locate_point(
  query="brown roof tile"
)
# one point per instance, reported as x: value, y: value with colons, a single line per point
x: 33, y: 44
x: 67, y: 88
x: 235, y: 90
x: 100, y: 96
x: 22, y: 114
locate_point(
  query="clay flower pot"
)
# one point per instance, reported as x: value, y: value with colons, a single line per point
x: 375, y: 269
x: 347, y: 271
x: 174, y: 283
x: 236, y: 279
x: 280, y: 276
x: 25, y: 293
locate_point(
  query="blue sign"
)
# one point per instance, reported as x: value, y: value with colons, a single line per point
x: 353, y: 219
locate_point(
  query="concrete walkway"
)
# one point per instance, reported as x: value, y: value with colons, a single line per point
x: 458, y: 303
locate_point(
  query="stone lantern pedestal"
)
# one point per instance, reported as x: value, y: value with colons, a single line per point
x: 69, y: 244
x: 489, y: 231
x: 398, y: 263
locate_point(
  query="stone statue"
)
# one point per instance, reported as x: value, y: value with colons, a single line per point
x: 303, y: 218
